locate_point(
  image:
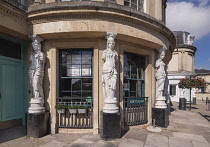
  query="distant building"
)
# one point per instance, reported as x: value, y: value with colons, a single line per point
x: 203, y: 92
x: 182, y: 65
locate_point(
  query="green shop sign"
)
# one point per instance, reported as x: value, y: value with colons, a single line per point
x: 136, y: 101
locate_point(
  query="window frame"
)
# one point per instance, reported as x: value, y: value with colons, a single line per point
x: 173, y: 90
x: 61, y: 77
x: 127, y: 93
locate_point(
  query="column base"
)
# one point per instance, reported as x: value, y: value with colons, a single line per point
x: 36, y: 106
x: 161, y: 117
x: 111, y: 126
x: 38, y: 124
x: 110, y: 105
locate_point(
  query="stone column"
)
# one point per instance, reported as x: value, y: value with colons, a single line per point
x: 36, y: 74
x: 160, y: 80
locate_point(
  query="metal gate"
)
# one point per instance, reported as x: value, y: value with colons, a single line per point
x: 135, y: 110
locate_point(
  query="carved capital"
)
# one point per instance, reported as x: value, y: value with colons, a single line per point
x: 36, y: 38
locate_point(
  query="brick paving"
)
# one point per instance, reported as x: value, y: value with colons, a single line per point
x: 189, y: 128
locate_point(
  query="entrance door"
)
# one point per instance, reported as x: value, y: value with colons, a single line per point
x: 135, y: 104
x: 13, y: 96
x: 10, y: 94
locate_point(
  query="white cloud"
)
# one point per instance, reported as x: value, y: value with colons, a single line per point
x: 185, y: 16
x: 203, y: 3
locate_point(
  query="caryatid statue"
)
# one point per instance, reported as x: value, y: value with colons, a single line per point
x: 109, y: 75
x: 160, y: 75
x: 36, y: 74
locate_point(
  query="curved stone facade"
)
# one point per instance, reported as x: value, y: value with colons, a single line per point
x: 78, y: 25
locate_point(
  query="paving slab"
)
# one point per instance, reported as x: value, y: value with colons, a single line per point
x: 200, y: 144
x: 187, y: 136
x: 81, y: 143
x: 53, y: 143
x: 140, y: 135
x: 104, y: 144
x: 177, y: 142
x: 157, y: 140
x: 47, y: 138
x: 93, y: 137
x: 69, y: 138
x: 131, y: 143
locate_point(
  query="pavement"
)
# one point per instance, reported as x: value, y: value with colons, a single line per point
x: 188, y: 128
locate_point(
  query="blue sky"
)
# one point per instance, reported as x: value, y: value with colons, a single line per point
x: 192, y: 16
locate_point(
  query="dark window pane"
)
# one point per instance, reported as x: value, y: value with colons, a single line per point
x: 126, y: 72
x: 126, y: 93
x: 126, y: 3
x: 133, y: 72
x: 66, y: 94
x: 134, y: 1
x: 86, y: 57
x: 76, y: 94
x: 63, y: 71
x: 10, y: 49
x: 132, y: 94
x: 76, y: 57
x: 172, y: 89
x: 76, y: 84
x: 66, y: 84
x: 86, y: 84
x: 87, y: 94
x: 68, y: 59
x: 133, y: 85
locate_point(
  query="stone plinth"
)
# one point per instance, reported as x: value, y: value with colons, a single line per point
x: 111, y: 126
x: 161, y: 117
x: 38, y: 124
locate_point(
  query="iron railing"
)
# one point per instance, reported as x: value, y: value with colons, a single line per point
x: 75, y: 120
x: 17, y: 4
x: 135, y: 110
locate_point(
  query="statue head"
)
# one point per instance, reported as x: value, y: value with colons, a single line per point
x: 36, y: 45
x: 110, y: 40
x: 162, y: 54
x: 110, y: 43
x: 36, y: 42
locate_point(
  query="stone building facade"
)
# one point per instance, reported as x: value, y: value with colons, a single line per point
x: 73, y: 34
x: 182, y: 65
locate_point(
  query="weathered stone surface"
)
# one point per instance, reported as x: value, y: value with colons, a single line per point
x: 200, y: 144
x: 81, y: 143
x: 53, y: 143
x: 131, y: 143
x: 177, y: 142
x: 157, y: 140
x: 189, y: 136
